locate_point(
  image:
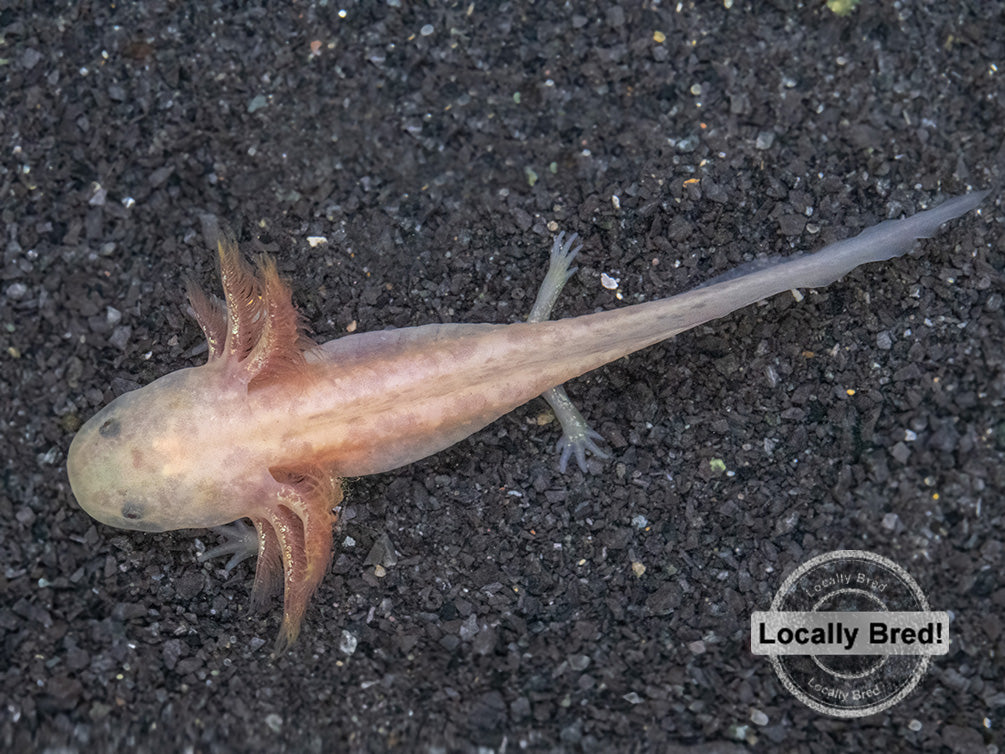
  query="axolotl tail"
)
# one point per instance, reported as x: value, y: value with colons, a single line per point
x: 622, y: 331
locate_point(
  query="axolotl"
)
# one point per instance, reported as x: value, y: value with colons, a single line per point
x: 268, y: 427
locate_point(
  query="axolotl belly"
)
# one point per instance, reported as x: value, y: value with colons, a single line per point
x: 269, y: 426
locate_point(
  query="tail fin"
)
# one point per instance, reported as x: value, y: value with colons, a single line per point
x: 613, y: 334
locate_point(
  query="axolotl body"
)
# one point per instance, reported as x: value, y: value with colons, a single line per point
x: 271, y: 424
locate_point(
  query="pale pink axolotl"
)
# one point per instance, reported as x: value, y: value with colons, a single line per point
x: 269, y: 426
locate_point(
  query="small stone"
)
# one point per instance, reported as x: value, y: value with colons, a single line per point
x: 900, y: 452
x: 485, y: 642
x: 274, y: 722
x: 120, y: 336
x: 347, y: 643
x: 469, y: 628
x: 664, y: 600
x: 382, y: 553
x: 520, y: 708
x: 16, y: 291
x: 688, y: 144
x: 98, y: 197
x: 257, y: 103
x: 737, y: 732
x: 30, y: 58
x: 572, y: 734
x: 791, y: 225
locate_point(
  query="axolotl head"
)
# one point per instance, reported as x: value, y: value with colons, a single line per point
x: 141, y: 463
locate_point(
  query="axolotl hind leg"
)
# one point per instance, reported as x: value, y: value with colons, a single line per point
x: 577, y: 437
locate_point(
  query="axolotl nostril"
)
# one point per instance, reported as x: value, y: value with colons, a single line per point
x: 269, y: 426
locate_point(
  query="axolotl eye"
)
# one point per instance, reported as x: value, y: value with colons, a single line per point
x: 110, y: 428
x: 132, y: 511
